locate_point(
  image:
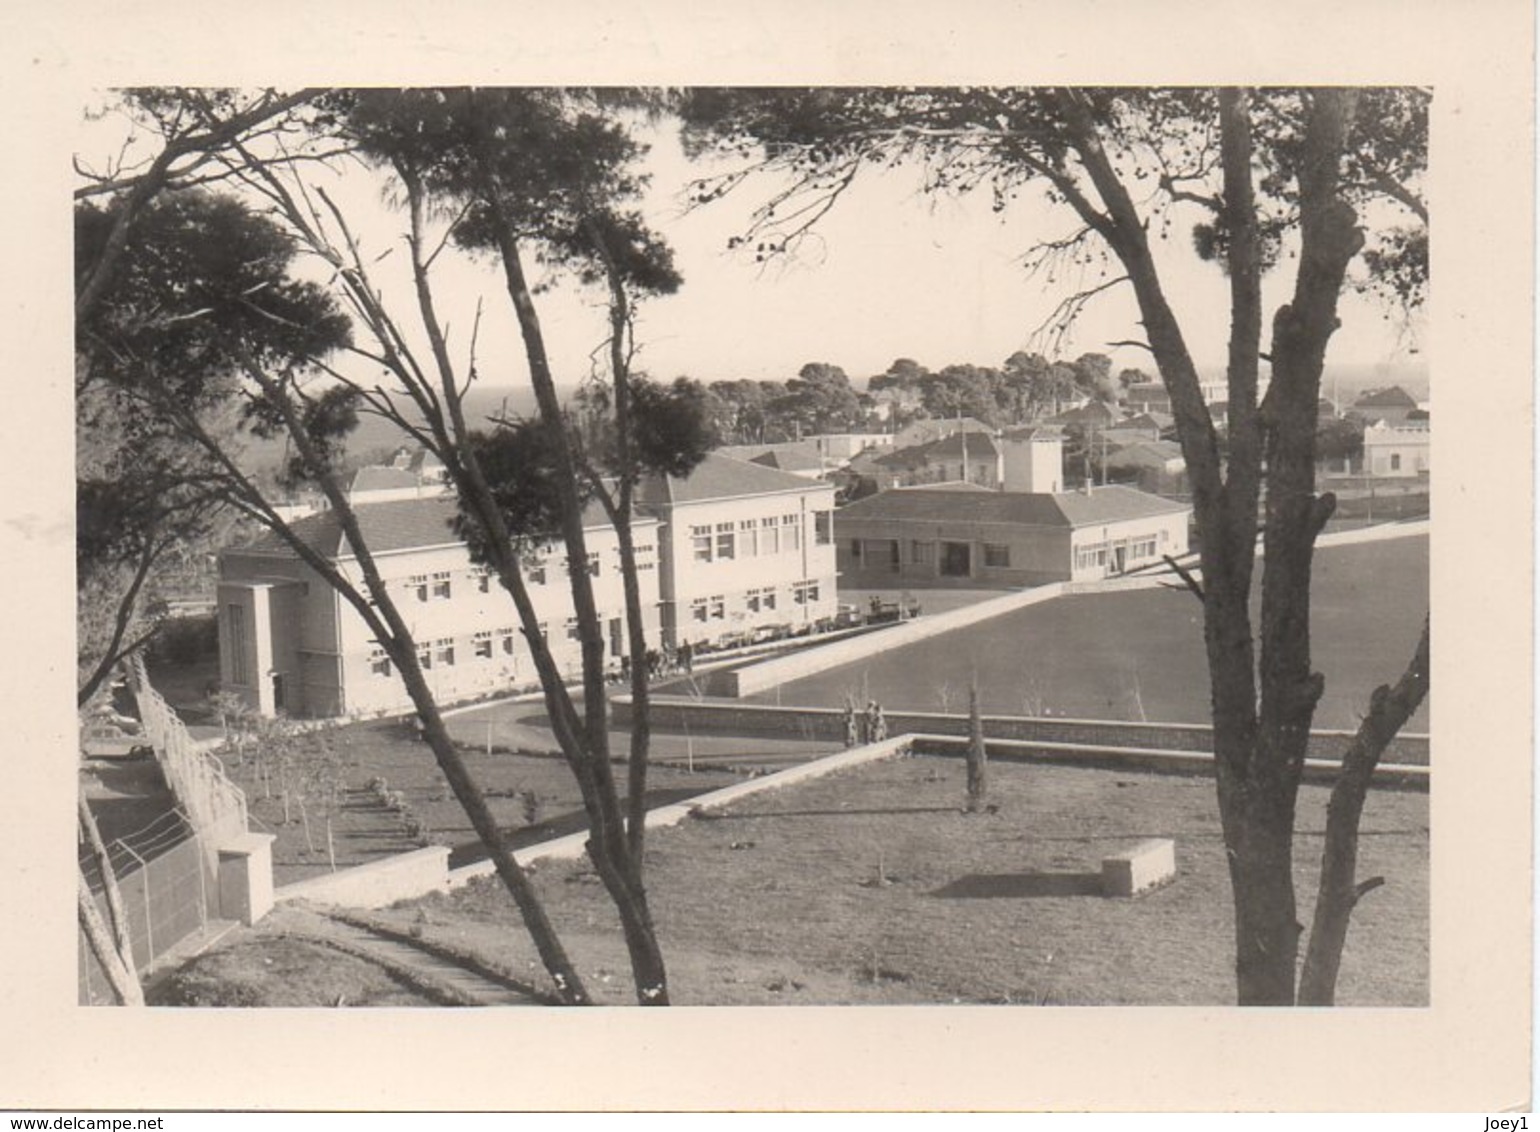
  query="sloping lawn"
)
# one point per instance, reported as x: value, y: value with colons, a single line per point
x: 872, y: 886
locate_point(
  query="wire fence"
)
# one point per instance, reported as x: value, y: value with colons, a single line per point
x: 215, y: 805
x: 168, y: 871
x: 165, y: 890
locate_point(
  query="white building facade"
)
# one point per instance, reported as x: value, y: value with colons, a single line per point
x: 746, y: 550
x: 290, y: 643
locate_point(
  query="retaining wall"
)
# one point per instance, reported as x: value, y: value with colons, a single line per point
x: 378, y: 883
x: 727, y: 717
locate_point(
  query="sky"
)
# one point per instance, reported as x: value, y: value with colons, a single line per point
x: 890, y: 273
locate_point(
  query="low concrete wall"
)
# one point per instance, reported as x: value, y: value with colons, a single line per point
x: 1319, y: 771
x: 727, y: 717
x: 378, y: 883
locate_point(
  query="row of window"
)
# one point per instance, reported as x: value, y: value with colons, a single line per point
x: 752, y: 538
x: 885, y: 552
x: 1120, y: 553
x: 440, y: 586
x: 764, y: 599
x: 442, y: 653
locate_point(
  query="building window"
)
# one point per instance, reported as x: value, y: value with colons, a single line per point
x: 379, y: 661
x: 922, y: 553
x: 505, y: 639
x: 424, y: 657
x: 444, y: 651
x: 236, y: 619
x: 748, y: 538
x: 805, y: 593
x: 536, y: 572
x: 483, y: 581
x: 823, y: 527
x: 726, y: 541
x: 593, y: 563
x: 573, y: 631
x: 996, y: 554
x: 719, y: 608
x: 1395, y: 461
x: 793, y: 527
x: 441, y: 590
x: 698, y: 610
x: 700, y: 543
x: 545, y: 630
x: 769, y: 537
x: 419, y: 584
x: 481, y: 645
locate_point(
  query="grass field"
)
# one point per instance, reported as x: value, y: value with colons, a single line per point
x: 1139, y: 655
x: 872, y: 886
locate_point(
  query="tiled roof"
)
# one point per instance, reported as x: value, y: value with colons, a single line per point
x: 403, y: 524
x: 789, y: 460
x: 1034, y: 432
x: 1145, y: 453
x: 1113, y: 503
x: 951, y: 447
x: 378, y: 477
x: 720, y: 477
x: 1393, y: 398
x: 1093, y: 413
x: 1066, y: 509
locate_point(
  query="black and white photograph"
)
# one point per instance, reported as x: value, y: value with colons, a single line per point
x: 833, y: 544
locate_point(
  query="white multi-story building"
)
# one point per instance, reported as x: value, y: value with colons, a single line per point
x: 731, y: 551
x: 289, y: 642
x: 746, y: 549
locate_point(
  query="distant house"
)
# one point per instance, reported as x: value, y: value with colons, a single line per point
x: 1004, y: 538
x: 1093, y: 416
x: 802, y: 464
x: 1391, y: 405
x: 1156, y: 466
x: 936, y: 428
x: 837, y: 447
x: 1140, y: 426
x: 800, y: 457
x: 964, y: 457
x: 1397, y: 451
x: 412, y: 474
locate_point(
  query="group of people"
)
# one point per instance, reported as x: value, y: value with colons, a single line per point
x: 867, y: 726
x: 668, y: 661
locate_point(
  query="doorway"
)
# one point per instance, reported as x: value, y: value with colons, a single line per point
x: 956, y: 560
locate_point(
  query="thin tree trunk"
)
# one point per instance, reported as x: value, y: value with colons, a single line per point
x: 978, y: 767
x: 609, y: 843
x: 122, y: 977
x: 116, y: 910
x: 1340, y: 891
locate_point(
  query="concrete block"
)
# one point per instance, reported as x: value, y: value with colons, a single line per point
x: 1147, y: 865
x: 246, y: 877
